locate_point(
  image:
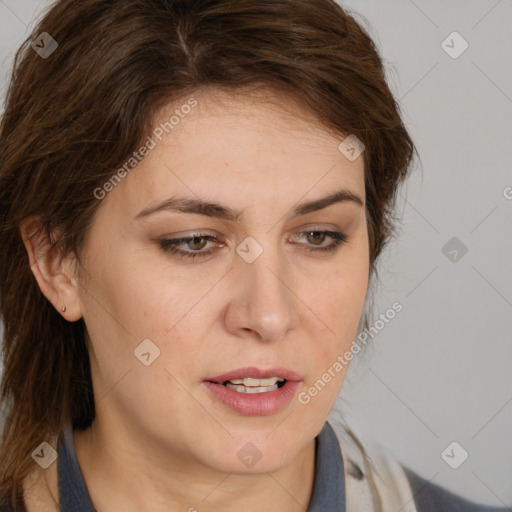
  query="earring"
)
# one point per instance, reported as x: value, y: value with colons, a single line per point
x: 63, y: 309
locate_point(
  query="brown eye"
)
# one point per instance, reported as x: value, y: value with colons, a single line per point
x: 189, y: 247
x: 317, y: 237
x: 195, y: 242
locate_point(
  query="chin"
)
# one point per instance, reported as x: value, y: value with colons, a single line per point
x: 252, y: 453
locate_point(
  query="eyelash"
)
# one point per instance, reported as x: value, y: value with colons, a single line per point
x: 170, y: 244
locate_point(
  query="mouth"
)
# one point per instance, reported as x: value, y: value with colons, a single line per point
x: 253, y: 391
x: 252, y: 386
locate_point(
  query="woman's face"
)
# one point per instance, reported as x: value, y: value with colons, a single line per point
x: 257, y: 292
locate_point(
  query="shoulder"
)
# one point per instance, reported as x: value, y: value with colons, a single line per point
x: 371, y: 472
x: 432, y: 497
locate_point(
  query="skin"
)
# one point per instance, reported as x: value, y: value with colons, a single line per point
x: 160, y: 441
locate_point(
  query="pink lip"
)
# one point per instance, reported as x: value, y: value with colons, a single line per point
x: 256, y: 373
x: 259, y: 404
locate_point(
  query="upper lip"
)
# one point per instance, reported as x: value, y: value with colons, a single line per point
x: 257, y: 373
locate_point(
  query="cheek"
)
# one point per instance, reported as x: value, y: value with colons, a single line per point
x: 339, y: 306
x: 340, y: 301
x: 146, y: 301
x: 129, y: 294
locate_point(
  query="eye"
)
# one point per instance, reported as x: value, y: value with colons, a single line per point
x: 197, y: 243
x: 318, y: 237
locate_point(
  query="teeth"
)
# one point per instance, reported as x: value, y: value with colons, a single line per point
x: 240, y: 388
x: 250, y: 382
x: 252, y: 386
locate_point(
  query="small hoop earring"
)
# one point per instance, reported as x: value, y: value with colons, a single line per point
x: 63, y: 309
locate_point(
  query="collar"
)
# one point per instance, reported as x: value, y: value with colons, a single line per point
x: 329, y: 488
x: 357, y: 481
x: 73, y: 493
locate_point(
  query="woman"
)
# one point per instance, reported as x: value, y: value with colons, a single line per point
x: 194, y: 195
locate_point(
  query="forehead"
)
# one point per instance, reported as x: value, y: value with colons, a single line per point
x: 239, y: 150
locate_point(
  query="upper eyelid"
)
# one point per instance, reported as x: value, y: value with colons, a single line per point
x: 206, y: 233
x: 199, y: 234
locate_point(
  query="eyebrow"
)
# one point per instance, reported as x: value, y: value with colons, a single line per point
x: 199, y: 207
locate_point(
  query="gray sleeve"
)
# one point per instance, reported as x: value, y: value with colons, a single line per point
x: 430, y: 497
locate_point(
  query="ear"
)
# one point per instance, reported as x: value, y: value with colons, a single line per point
x: 54, y: 272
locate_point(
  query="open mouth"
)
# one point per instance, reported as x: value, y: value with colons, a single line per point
x: 252, y: 391
x: 250, y: 385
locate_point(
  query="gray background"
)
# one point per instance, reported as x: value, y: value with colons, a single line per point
x: 440, y: 370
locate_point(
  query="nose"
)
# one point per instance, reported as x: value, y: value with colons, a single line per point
x: 262, y: 299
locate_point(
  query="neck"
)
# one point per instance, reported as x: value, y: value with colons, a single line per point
x: 124, y: 472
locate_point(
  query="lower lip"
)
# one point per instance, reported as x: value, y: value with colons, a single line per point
x: 257, y: 404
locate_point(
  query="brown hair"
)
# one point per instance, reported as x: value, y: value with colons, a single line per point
x: 72, y: 118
